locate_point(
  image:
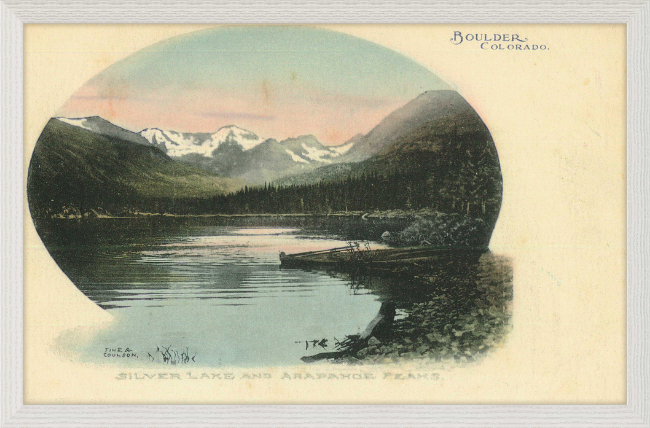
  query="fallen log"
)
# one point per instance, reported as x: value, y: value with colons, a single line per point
x: 384, y: 260
x: 378, y: 328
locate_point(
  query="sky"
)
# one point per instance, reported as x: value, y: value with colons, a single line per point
x: 276, y: 81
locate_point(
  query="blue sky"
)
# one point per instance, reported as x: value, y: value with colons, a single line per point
x: 277, y: 81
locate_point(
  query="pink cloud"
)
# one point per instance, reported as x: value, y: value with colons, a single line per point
x: 271, y: 112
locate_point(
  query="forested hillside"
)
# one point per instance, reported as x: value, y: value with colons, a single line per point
x: 446, y: 184
x: 74, y: 171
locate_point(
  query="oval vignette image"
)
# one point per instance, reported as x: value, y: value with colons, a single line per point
x: 274, y: 195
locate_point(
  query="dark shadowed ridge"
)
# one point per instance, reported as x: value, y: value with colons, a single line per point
x: 446, y: 112
x: 426, y: 123
x: 104, y: 127
x: 76, y: 170
x: 440, y: 151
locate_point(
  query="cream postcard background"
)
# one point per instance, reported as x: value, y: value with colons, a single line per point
x: 558, y: 120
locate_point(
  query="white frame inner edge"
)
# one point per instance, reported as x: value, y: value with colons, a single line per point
x: 15, y: 13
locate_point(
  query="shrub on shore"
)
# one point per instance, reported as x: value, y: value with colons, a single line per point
x: 443, y: 230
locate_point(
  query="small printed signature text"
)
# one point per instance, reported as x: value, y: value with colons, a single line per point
x: 119, y: 353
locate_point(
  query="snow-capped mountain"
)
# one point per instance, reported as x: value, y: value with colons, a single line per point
x: 304, y: 149
x: 177, y: 144
x: 237, y: 152
x: 231, y: 151
x: 268, y: 160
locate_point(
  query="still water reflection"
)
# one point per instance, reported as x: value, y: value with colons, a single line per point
x: 215, y: 295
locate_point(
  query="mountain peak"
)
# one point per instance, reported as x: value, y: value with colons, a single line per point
x: 445, y: 112
x: 179, y: 144
x: 102, y: 126
x: 438, y: 92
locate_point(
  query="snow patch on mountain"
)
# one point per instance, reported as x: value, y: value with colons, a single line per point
x: 316, y: 154
x: 245, y: 138
x: 343, y: 148
x: 81, y: 122
x: 295, y: 157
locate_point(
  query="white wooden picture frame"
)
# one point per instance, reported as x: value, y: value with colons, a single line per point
x: 635, y: 14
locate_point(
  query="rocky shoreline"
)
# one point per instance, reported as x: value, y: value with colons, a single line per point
x: 461, y: 321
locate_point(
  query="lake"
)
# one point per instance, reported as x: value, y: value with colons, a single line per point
x: 211, y: 292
